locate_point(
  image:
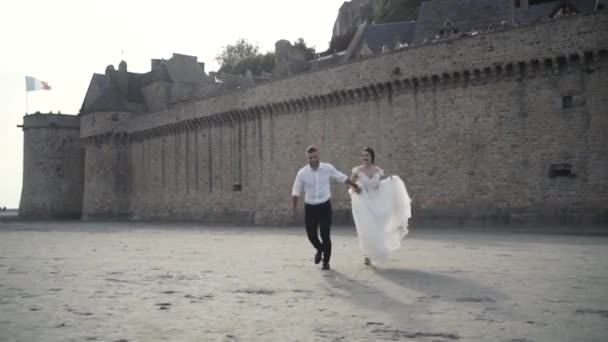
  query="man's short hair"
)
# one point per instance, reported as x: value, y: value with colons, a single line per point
x: 311, y: 149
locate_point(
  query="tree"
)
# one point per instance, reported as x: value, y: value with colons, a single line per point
x: 300, y: 44
x: 233, y: 53
x: 256, y: 64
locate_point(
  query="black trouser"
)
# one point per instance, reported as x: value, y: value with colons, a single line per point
x: 315, y: 216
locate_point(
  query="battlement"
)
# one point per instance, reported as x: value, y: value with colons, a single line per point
x: 52, y: 166
x: 50, y: 120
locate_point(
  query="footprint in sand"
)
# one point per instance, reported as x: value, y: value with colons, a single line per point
x: 256, y: 291
x: 475, y: 300
x: 163, y: 306
x: 602, y: 313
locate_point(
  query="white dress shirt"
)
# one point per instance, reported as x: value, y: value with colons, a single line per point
x: 315, y: 183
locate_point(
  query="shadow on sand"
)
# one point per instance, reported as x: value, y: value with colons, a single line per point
x: 440, y: 286
x: 405, y: 325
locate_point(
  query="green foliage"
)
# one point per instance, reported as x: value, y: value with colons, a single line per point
x: 242, y: 56
x: 300, y: 44
x: 233, y: 53
x: 256, y: 64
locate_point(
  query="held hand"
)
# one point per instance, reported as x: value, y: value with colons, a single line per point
x: 357, y: 189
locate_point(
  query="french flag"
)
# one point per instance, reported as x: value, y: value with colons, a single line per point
x: 32, y: 84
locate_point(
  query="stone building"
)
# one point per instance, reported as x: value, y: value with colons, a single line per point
x: 508, y: 126
x: 53, y: 166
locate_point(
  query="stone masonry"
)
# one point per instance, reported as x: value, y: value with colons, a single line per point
x: 52, y: 167
x: 506, y: 127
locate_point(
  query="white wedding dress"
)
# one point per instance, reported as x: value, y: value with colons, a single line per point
x: 381, y: 212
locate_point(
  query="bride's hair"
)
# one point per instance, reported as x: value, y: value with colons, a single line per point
x: 371, y: 152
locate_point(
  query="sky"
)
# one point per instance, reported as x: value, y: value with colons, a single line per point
x: 64, y: 42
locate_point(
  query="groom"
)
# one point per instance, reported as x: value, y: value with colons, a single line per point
x: 313, y: 179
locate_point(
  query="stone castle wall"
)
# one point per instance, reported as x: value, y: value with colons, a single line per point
x: 481, y: 129
x: 52, y: 167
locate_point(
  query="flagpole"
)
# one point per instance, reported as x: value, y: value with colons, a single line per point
x: 27, y: 107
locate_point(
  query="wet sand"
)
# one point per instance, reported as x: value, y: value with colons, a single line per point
x: 177, y: 282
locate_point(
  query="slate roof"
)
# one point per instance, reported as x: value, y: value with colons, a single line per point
x: 158, y: 73
x: 376, y: 36
x: 466, y: 15
x: 101, y: 96
x: 540, y: 11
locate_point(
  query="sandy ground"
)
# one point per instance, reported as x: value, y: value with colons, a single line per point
x: 171, y: 282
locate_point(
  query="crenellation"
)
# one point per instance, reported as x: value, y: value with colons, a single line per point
x: 271, y: 109
x: 233, y: 117
x: 476, y: 76
x: 145, y: 136
x: 321, y: 100
x: 337, y: 95
x: 356, y: 95
x: 535, y: 67
x: 283, y: 108
x: 547, y: 66
x: 388, y: 86
x: 379, y: 90
x: 420, y: 83
x: 244, y: 114
x: 510, y: 72
x: 306, y: 103
x: 489, y: 74
x: 332, y: 99
x: 301, y: 104
x: 575, y: 58
x: 456, y: 79
x: 396, y: 87
x: 290, y: 106
x: 372, y: 93
x: 466, y: 79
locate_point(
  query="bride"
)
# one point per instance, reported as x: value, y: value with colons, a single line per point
x: 381, y: 210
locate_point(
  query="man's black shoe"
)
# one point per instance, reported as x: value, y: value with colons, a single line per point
x: 318, y: 257
x: 325, y: 266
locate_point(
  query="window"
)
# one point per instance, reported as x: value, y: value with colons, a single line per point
x: 570, y: 100
x: 537, y: 2
x: 567, y: 101
x: 561, y: 170
x: 448, y: 29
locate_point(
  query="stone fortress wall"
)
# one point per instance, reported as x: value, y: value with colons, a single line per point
x: 53, y: 164
x: 504, y: 127
x: 472, y: 125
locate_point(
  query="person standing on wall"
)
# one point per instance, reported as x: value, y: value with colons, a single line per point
x: 313, y: 179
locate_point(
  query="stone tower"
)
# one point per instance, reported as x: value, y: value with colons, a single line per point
x: 52, y: 167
